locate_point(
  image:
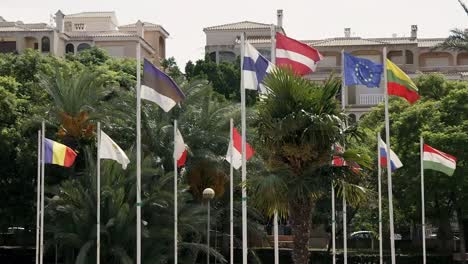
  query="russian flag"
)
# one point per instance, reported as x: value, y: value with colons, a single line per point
x: 395, y: 162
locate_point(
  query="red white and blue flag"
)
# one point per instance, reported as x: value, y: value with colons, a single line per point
x: 395, y: 162
x: 298, y: 56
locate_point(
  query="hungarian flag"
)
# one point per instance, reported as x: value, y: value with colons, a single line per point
x: 298, y: 56
x: 437, y: 160
x: 400, y: 84
x: 237, y: 150
x: 180, y: 152
x: 159, y: 88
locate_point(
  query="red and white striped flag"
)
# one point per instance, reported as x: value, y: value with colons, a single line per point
x: 237, y: 151
x: 298, y: 56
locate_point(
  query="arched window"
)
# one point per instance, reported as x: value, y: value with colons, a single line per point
x: 83, y: 46
x: 162, y: 48
x: 45, y: 44
x: 70, y: 48
x: 409, y: 57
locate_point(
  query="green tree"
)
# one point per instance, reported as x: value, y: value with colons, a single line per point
x: 298, y: 122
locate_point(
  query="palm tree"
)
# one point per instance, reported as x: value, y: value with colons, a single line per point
x: 458, y: 39
x: 297, y: 124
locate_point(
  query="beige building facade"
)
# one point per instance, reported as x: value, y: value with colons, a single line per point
x: 75, y: 32
x: 413, y: 54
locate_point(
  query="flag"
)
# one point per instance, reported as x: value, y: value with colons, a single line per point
x: 58, y: 154
x: 159, y: 88
x: 300, y: 57
x: 237, y: 151
x: 359, y: 71
x: 437, y: 160
x: 338, y: 161
x: 180, y: 152
x: 255, y: 68
x: 395, y: 162
x: 399, y: 84
x: 110, y: 150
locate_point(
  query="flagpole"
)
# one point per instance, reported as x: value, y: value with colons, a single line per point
x: 231, y: 194
x: 380, y: 199
x: 244, y: 168
x: 98, y: 195
x: 389, y: 170
x: 175, y: 195
x: 333, y: 224
x: 345, y: 239
x: 423, y: 216
x: 275, y: 217
x: 38, y: 188
x: 41, y: 253
x: 343, y: 107
x: 138, y: 143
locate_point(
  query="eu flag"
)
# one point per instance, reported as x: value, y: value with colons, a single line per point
x: 359, y: 71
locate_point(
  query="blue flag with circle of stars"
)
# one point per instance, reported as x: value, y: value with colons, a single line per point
x: 359, y: 71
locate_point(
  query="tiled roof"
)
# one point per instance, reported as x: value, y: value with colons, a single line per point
x: 239, y: 25
x: 146, y: 25
x: 97, y: 34
x: 20, y: 26
x: 2, y: 19
x: 430, y: 42
x: 259, y: 39
x: 343, y: 42
x: 92, y: 14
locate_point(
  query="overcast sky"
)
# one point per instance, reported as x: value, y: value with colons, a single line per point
x: 303, y: 19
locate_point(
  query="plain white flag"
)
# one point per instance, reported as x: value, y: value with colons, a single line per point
x: 110, y: 150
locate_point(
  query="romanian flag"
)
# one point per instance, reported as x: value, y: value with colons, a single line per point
x: 59, y: 154
x: 399, y: 84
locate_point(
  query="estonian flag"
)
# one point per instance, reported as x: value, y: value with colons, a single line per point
x: 158, y: 87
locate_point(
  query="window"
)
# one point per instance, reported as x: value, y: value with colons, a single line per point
x: 409, y: 57
x: 36, y: 46
x: 80, y: 26
x: 83, y: 46
x: 70, y: 48
x: 45, y: 44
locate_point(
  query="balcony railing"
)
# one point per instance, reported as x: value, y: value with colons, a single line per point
x: 370, y: 99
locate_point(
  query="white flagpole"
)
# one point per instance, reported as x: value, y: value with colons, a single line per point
x: 333, y: 224
x: 389, y: 170
x: 345, y: 238
x: 138, y: 143
x: 343, y: 106
x: 98, y: 195
x: 231, y: 194
x: 175, y: 195
x: 275, y: 217
x: 380, y: 199
x: 41, y: 253
x: 244, y: 168
x: 423, y: 216
x: 38, y: 188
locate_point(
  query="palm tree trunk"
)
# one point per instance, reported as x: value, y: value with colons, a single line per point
x: 300, y: 216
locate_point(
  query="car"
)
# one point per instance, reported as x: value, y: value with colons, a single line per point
x: 365, y: 234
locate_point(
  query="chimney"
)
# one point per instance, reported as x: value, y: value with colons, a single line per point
x: 279, y: 18
x: 347, y: 32
x: 140, y: 29
x: 414, y: 31
x: 59, y: 16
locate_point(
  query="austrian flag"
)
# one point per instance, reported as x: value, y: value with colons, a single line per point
x: 298, y: 56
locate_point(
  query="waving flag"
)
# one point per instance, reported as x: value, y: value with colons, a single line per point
x: 58, y: 154
x: 300, y: 57
x: 359, y: 71
x: 437, y: 160
x: 400, y: 84
x: 180, y: 152
x: 110, y: 150
x: 255, y: 68
x: 395, y: 162
x: 237, y: 151
x: 159, y: 88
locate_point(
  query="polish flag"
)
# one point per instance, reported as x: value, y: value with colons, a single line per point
x: 237, y: 151
x: 180, y: 152
x: 299, y: 56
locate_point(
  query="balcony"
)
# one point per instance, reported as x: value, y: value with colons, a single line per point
x: 370, y: 99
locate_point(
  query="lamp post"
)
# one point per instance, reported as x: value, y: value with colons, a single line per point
x: 208, y: 194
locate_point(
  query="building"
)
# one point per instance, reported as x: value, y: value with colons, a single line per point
x: 74, y: 32
x: 413, y: 54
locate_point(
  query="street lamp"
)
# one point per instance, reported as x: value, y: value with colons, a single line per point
x: 208, y: 194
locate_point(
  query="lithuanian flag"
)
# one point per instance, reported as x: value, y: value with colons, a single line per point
x: 399, y: 84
